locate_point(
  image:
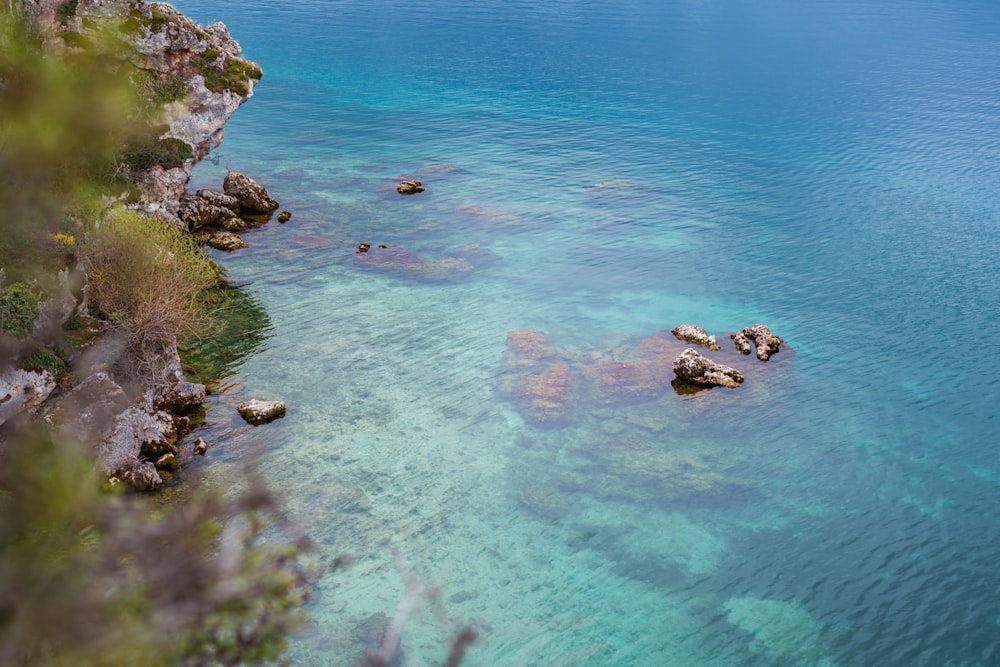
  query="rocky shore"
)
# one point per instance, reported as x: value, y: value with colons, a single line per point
x: 198, y: 77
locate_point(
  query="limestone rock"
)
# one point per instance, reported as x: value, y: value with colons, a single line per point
x: 195, y: 211
x: 200, y: 447
x: 256, y: 411
x: 226, y: 241
x: 284, y: 217
x: 251, y: 196
x: 742, y: 344
x: 219, y: 198
x: 175, y: 394
x: 87, y: 413
x: 695, y: 334
x: 766, y: 342
x: 138, y: 432
x: 410, y: 187
x: 22, y: 390
x: 692, y: 367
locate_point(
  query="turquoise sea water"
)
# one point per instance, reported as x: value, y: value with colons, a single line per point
x: 830, y: 168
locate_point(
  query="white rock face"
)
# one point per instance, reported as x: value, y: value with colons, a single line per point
x: 22, y: 390
x: 256, y: 411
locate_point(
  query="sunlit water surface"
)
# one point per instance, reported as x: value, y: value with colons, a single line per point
x: 829, y: 168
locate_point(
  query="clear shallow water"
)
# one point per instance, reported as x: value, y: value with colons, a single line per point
x: 829, y: 168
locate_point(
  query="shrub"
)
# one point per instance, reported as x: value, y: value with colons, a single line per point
x: 43, y: 359
x: 18, y: 310
x: 95, y: 579
x: 146, y: 277
x: 147, y: 150
x: 160, y: 88
x: 66, y: 10
x: 232, y: 74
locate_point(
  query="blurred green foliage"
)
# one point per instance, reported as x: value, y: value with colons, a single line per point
x: 63, y: 121
x: 43, y: 359
x: 90, y: 577
x: 18, y: 310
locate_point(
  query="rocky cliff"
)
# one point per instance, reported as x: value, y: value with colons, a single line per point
x: 193, y: 79
x: 194, y: 75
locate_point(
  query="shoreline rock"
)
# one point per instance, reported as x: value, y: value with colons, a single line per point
x: 256, y: 411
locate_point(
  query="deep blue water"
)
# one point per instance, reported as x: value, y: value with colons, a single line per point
x: 829, y: 167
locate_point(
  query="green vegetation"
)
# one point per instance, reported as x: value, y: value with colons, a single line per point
x: 66, y: 10
x: 147, y: 150
x: 93, y: 578
x: 161, y: 88
x: 89, y: 576
x: 158, y: 19
x: 231, y: 73
x: 43, y: 359
x: 18, y: 310
x: 147, y: 278
x: 56, y: 160
x: 233, y: 327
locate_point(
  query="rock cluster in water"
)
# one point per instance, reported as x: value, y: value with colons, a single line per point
x: 547, y: 383
x: 217, y: 216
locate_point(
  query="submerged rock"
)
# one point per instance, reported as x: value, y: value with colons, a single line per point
x: 692, y: 367
x: 642, y: 470
x: 256, y: 411
x: 695, y: 334
x: 284, y: 217
x: 529, y: 345
x: 622, y: 383
x: 251, y: 196
x: 766, y: 342
x: 545, y: 397
x: 405, y: 262
x: 410, y: 187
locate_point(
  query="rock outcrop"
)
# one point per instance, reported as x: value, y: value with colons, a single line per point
x: 695, y: 334
x: 22, y: 390
x: 766, y: 342
x: 250, y: 195
x: 692, y: 367
x: 410, y: 187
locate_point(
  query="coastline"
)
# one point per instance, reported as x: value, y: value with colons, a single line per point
x: 137, y: 424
